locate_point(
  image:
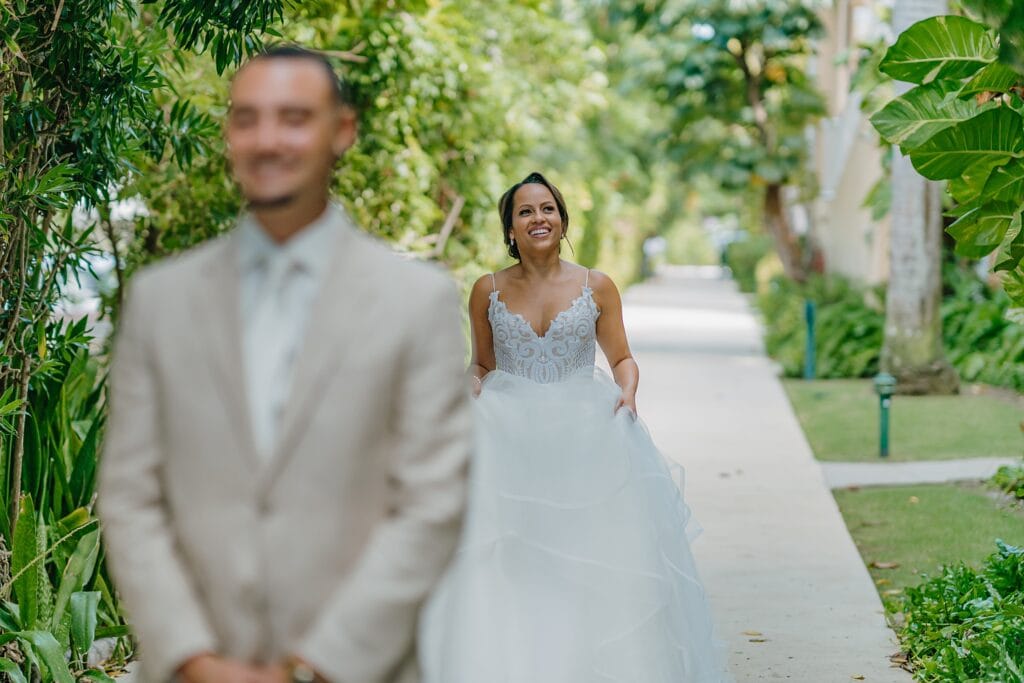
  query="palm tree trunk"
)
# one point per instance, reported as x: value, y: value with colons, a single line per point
x: 913, y: 349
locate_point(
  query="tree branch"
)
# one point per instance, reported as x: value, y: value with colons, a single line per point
x: 449, y: 225
x: 56, y: 18
x: 118, y: 266
x: 753, y: 94
x: 19, y: 444
x: 351, y: 55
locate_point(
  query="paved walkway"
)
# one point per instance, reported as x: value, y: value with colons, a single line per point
x: 845, y: 474
x: 791, y: 595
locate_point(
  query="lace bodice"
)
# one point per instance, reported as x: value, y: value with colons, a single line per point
x: 568, y: 345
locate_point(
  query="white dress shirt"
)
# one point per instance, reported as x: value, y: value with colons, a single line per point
x: 279, y: 285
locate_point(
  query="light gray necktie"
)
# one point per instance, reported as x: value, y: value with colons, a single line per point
x: 271, y: 342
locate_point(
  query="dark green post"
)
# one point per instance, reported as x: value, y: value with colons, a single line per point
x: 885, y: 385
x: 810, y: 312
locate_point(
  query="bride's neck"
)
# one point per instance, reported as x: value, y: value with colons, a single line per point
x: 541, y: 269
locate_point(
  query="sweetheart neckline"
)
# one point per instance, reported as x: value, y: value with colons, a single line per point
x: 587, y: 291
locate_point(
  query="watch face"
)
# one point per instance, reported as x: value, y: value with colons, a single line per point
x: 303, y: 674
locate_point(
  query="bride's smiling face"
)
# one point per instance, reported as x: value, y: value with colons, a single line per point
x: 536, y: 222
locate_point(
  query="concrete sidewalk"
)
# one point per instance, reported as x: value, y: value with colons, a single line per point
x: 791, y: 595
x: 844, y: 474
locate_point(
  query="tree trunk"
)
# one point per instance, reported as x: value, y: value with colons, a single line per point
x: 786, y: 243
x: 913, y: 349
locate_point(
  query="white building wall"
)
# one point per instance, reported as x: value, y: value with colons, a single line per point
x: 847, y: 157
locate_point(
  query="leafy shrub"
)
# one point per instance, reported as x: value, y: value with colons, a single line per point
x: 742, y: 257
x: 981, y: 343
x: 1010, y: 479
x: 848, y: 329
x: 968, y: 625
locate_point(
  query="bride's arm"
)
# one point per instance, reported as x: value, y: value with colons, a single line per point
x: 482, y: 360
x: 611, y: 335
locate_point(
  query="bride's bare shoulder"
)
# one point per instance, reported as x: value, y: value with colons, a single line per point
x: 481, y: 290
x: 605, y: 292
x: 601, y: 282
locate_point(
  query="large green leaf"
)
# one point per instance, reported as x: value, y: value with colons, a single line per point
x: 12, y: 671
x: 996, y: 77
x: 947, y: 47
x: 1011, y: 251
x: 50, y: 653
x: 77, y: 572
x: 913, y: 118
x: 1013, y: 283
x: 980, y: 231
x: 968, y: 188
x: 23, y: 558
x: 83, y: 619
x: 996, y: 134
x: 10, y: 619
x: 1006, y: 183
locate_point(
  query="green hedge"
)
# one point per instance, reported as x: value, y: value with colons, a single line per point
x: 742, y: 257
x: 848, y: 329
x: 968, y: 625
x: 1010, y: 480
x: 981, y: 342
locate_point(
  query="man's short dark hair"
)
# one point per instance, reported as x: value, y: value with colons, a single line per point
x: 340, y: 91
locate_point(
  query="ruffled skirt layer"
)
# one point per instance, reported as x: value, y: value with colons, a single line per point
x: 575, y: 564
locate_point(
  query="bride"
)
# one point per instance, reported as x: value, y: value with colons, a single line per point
x: 575, y: 564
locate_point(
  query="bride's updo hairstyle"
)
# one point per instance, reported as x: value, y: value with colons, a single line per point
x: 506, y: 208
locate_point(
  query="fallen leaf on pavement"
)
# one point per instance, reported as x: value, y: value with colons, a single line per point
x: 759, y: 640
x: 752, y: 633
x: 901, y: 660
x: 858, y: 677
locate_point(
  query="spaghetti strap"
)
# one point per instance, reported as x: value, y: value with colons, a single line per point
x: 494, y: 284
x: 586, y: 283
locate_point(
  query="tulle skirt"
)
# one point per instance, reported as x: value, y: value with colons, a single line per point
x: 575, y: 565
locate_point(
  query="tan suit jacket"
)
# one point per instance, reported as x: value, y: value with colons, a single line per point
x: 328, y: 549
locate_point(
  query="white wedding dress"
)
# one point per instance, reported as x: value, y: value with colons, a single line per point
x: 574, y: 565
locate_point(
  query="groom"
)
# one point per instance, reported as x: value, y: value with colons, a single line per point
x: 284, y: 472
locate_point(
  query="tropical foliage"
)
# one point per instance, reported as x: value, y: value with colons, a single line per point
x: 80, y: 118
x: 1010, y: 480
x: 734, y: 76
x: 982, y: 343
x: 848, y: 327
x: 963, y: 121
x: 967, y: 624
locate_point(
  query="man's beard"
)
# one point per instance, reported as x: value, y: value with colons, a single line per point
x: 278, y: 202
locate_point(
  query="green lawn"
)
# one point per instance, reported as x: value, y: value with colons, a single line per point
x: 840, y: 419
x: 922, y: 527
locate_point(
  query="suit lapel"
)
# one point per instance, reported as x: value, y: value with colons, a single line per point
x: 216, y: 300
x: 328, y: 338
